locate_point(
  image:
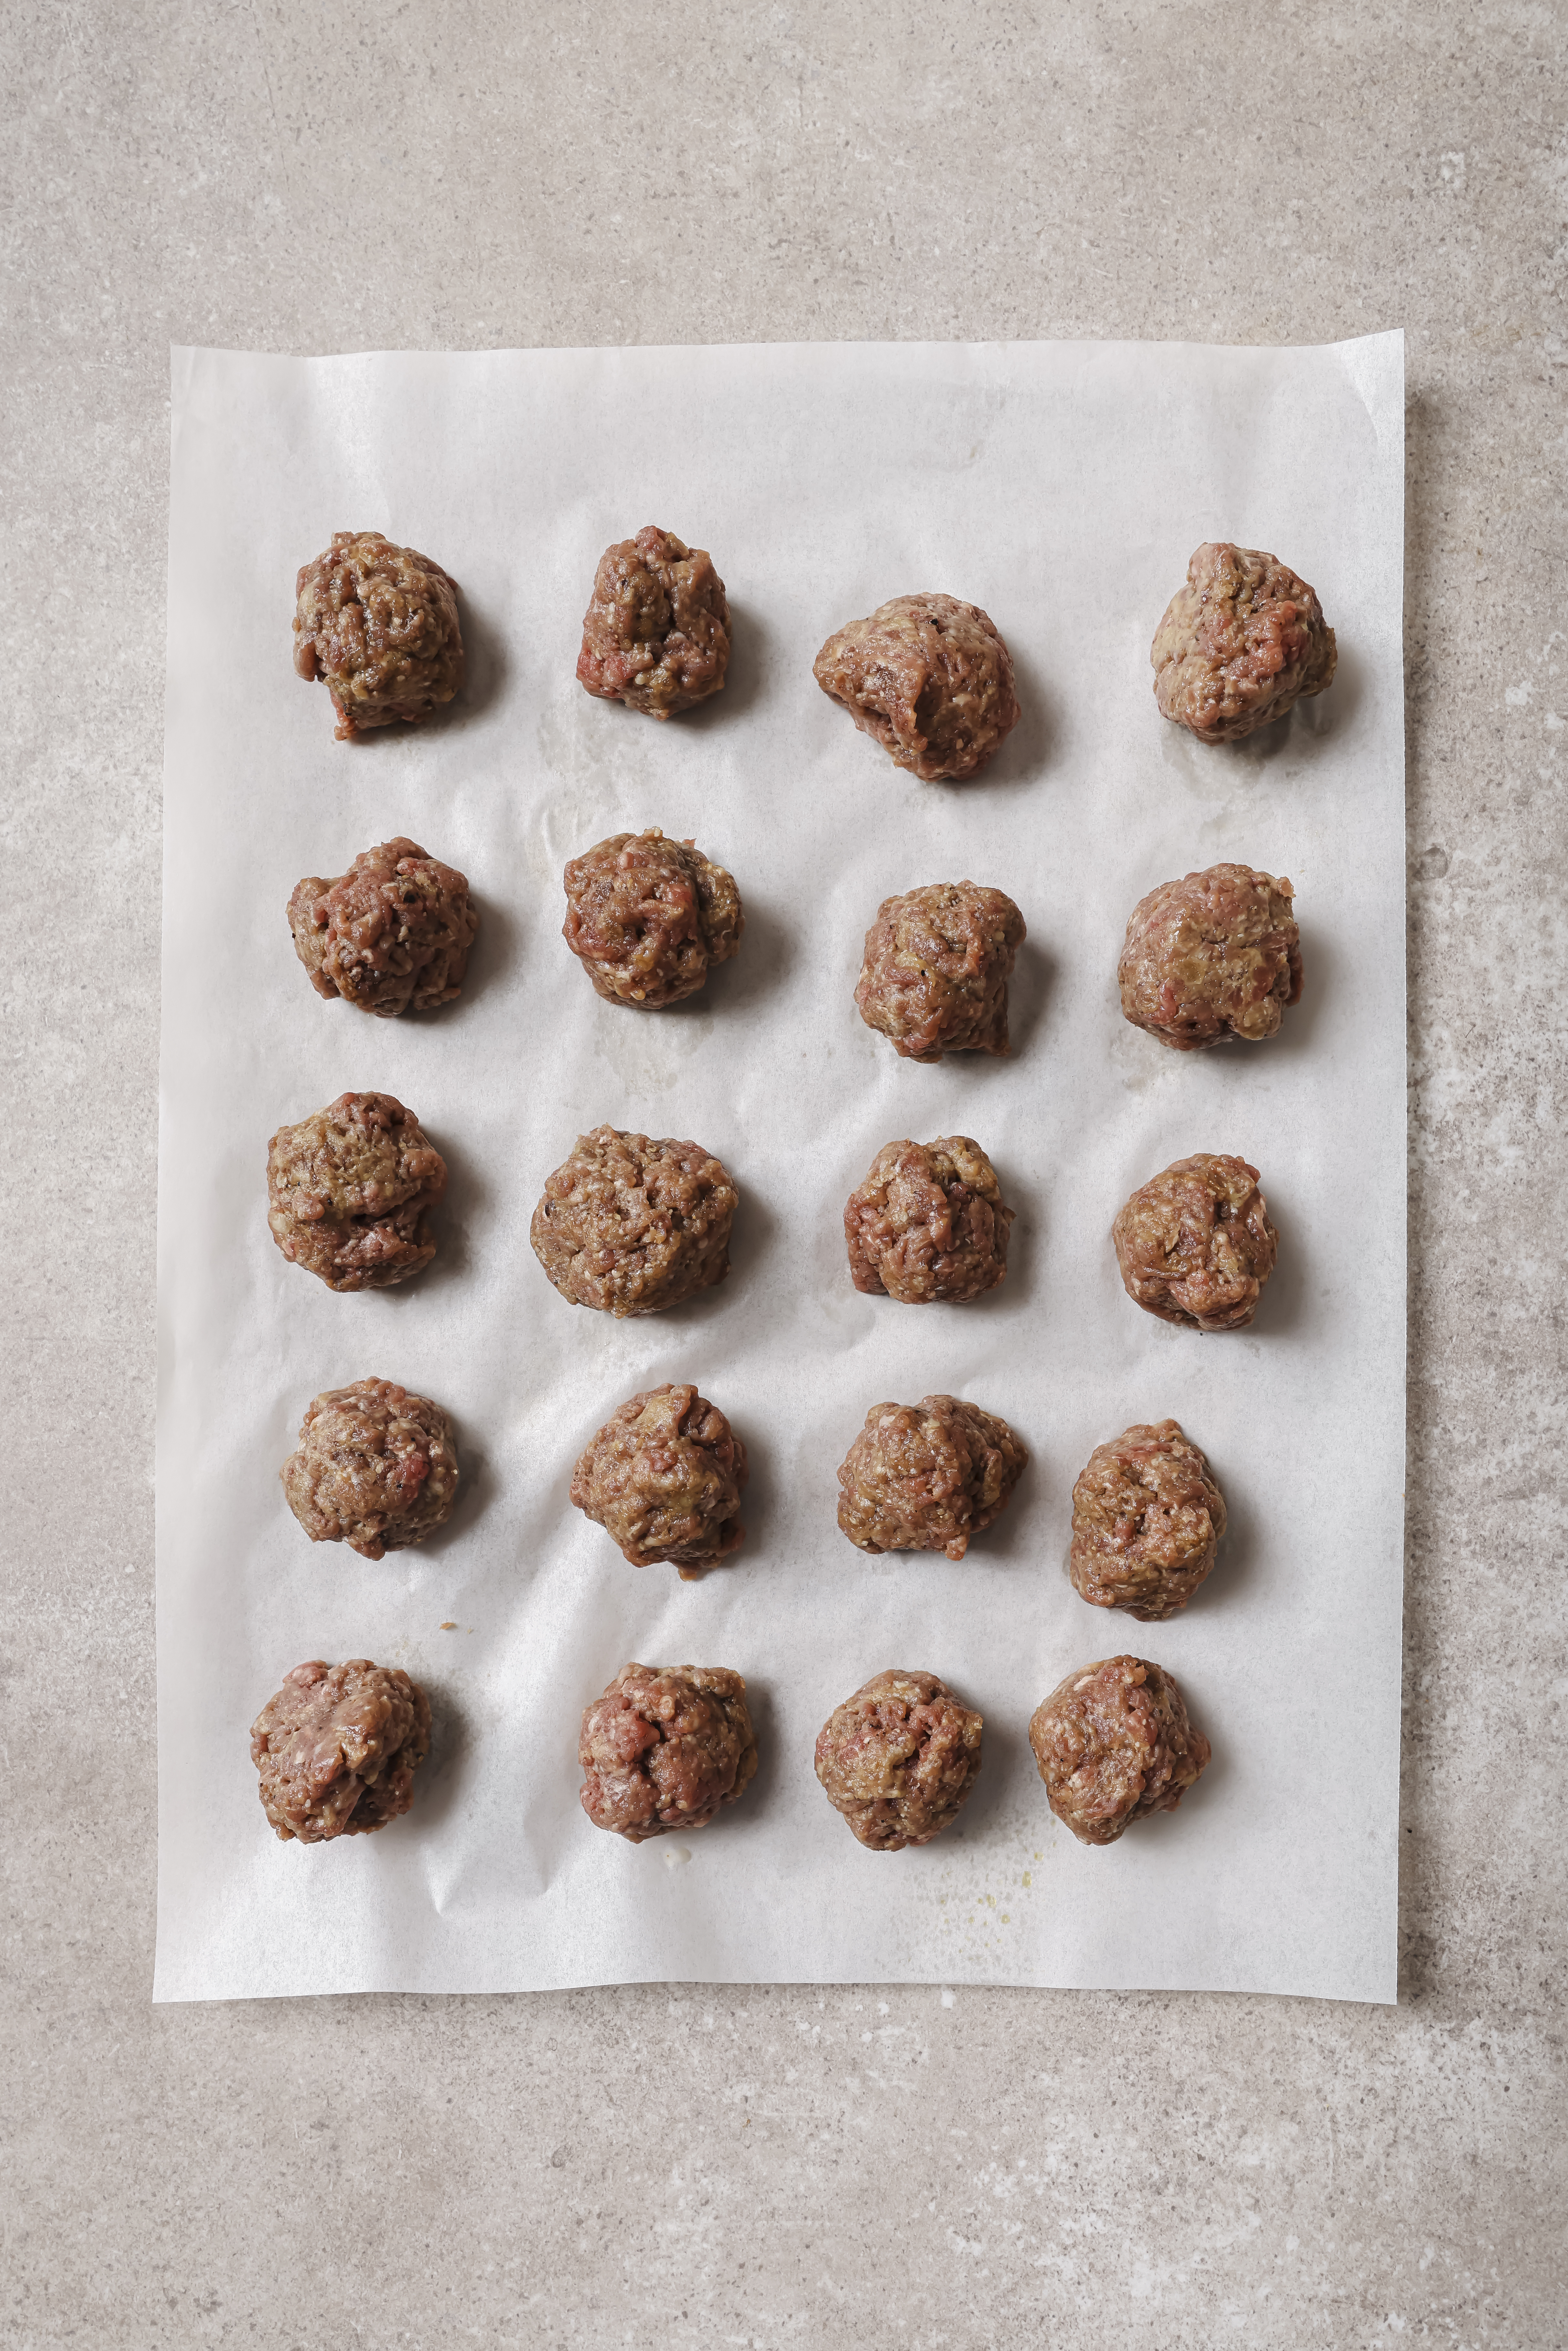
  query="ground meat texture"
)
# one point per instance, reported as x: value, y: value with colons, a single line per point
x: 930, y: 678
x: 648, y: 916
x: 391, y: 935
x: 663, y: 1479
x: 1212, y: 955
x: 349, y: 1192
x: 656, y: 634
x: 937, y: 962
x: 337, y: 1748
x: 927, y: 1477
x: 1242, y: 642
x: 631, y: 1226
x: 666, y: 1747
x: 928, y: 1222
x: 375, y: 1467
x: 380, y: 623
x: 899, y: 1757
x: 1112, y: 1742
x: 1146, y: 1521
x: 1195, y: 1244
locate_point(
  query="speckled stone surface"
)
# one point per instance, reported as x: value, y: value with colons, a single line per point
x: 947, y: 2172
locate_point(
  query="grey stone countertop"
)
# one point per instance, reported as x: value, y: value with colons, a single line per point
x: 779, y: 2168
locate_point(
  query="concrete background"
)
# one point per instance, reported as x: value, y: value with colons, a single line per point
x: 777, y: 2167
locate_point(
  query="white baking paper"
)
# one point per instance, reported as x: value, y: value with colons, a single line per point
x: 1062, y: 487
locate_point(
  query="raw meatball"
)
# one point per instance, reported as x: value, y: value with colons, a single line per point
x: 1146, y: 1521
x: 648, y: 916
x: 380, y: 623
x: 631, y: 1226
x: 1239, y: 644
x: 666, y: 1747
x: 663, y: 1479
x: 390, y: 935
x: 934, y: 977
x: 927, y: 1477
x: 349, y: 1192
x: 899, y: 1757
x: 1195, y: 1244
x: 930, y: 677
x: 928, y: 1222
x: 1112, y: 1742
x: 1215, y: 955
x: 656, y: 634
x: 375, y: 1467
x: 337, y: 1748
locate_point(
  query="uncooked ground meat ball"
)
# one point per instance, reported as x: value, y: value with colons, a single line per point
x: 934, y: 977
x: 1242, y: 642
x: 927, y: 1477
x: 899, y: 1757
x: 337, y: 1748
x: 663, y: 1479
x: 349, y: 1192
x: 666, y: 1747
x: 1112, y: 1742
x: 391, y: 935
x: 632, y: 1225
x: 1215, y: 955
x: 656, y: 633
x: 1146, y: 1521
x: 380, y: 623
x: 930, y: 678
x: 375, y: 1467
x: 1195, y: 1244
x: 649, y: 916
x: 928, y: 1222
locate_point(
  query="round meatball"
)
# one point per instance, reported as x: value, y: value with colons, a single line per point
x: 375, y: 1467
x: 899, y: 1757
x: 380, y: 623
x: 663, y: 1479
x: 927, y: 1477
x: 337, y: 1748
x: 391, y: 935
x: 647, y: 917
x: 1146, y: 1521
x: 1242, y: 642
x: 1195, y: 1244
x: 930, y: 678
x: 928, y: 1222
x: 1215, y: 955
x: 349, y: 1192
x: 656, y: 634
x: 1112, y: 1742
x: 632, y: 1225
x: 934, y: 977
x: 666, y: 1747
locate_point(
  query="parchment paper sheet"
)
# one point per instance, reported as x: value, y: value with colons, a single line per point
x: 1063, y: 488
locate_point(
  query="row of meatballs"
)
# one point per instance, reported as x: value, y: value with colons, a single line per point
x: 928, y: 677
x: 1208, y: 957
x: 668, y: 1747
x: 633, y: 1224
x: 376, y: 1468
